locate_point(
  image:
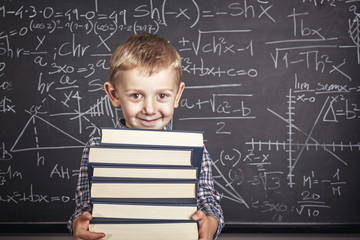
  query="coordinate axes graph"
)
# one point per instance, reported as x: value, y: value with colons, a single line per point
x: 294, y: 149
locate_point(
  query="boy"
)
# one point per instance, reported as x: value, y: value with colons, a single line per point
x: 146, y: 81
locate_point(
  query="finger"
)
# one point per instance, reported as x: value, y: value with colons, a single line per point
x: 85, y: 234
x: 91, y: 235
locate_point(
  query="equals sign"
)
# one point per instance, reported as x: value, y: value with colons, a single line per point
x: 13, y: 33
x: 75, y: 172
x: 102, y: 16
x: 59, y: 14
x: 207, y: 14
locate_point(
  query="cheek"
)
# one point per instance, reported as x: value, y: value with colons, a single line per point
x: 167, y: 109
x: 130, y: 110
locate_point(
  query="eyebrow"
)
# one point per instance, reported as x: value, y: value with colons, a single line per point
x: 158, y: 90
x: 167, y: 89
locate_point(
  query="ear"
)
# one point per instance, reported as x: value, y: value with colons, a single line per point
x: 179, y: 93
x: 111, y: 92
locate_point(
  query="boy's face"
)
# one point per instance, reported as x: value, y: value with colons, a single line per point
x: 147, y: 102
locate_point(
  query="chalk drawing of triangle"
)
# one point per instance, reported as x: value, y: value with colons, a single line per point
x: 330, y: 115
x: 36, y: 136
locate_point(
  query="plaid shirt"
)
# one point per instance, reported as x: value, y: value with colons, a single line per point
x: 208, y: 199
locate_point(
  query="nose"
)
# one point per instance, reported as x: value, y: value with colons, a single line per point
x: 149, y: 107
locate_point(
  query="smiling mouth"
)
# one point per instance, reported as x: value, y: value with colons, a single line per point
x: 149, y: 120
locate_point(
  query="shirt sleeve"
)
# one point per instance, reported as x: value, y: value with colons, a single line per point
x: 208, y: 199
x: 82, y: 191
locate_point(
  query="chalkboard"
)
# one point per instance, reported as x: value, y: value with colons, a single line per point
x: 274, y: 84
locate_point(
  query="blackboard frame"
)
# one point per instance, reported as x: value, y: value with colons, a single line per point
x: 292, y: 228
x: 33, y: 228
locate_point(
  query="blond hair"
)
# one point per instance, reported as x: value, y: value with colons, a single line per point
x: 149, y: 52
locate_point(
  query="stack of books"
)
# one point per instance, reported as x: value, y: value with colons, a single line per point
x: 143, y: 183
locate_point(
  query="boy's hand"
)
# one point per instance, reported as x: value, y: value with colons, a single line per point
x: 81, y: 228
x: 207, y: 225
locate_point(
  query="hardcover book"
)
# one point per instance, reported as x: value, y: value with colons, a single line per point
x: 101, y: 171
x: 145, y: 230
x: 130, y: 210
x: 150, y: 189
x: 152, y: 137
x: 125, y: 154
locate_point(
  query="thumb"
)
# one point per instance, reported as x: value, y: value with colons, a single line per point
x: 82, y: 222
x: 85, y: 217
x: 198, y: 215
